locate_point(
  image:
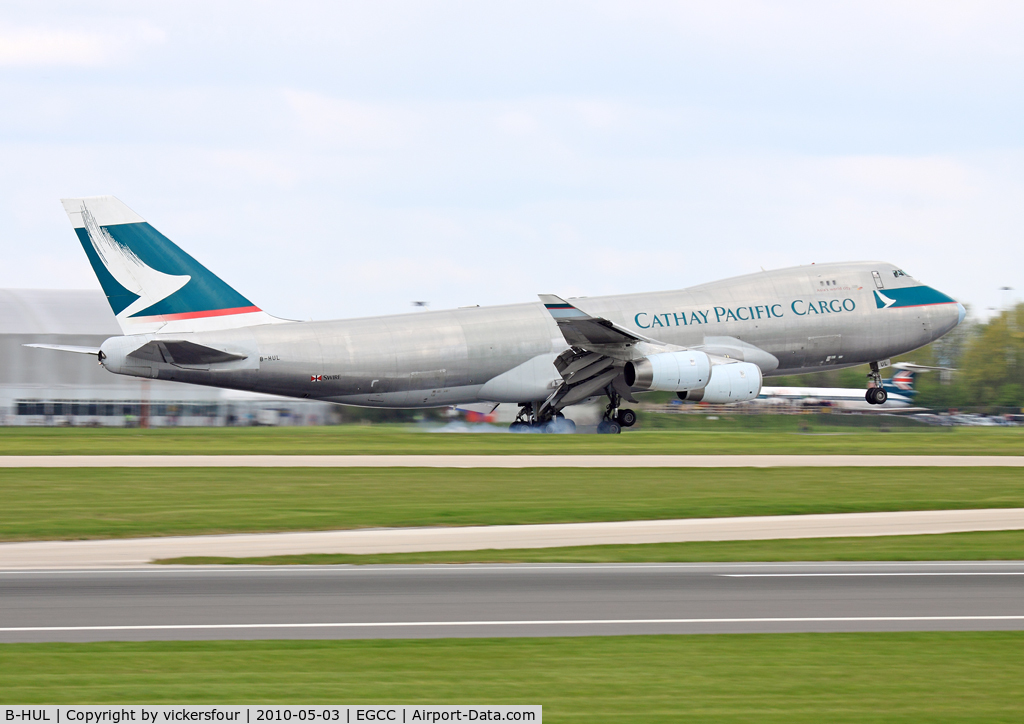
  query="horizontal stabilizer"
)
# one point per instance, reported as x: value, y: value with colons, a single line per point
x: 183, y: 353
x: 67, y: 348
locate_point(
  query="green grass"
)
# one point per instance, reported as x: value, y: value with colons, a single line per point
x: 987, y: 546
x: 863, y: 677
x: 45, y: 503
x: 726, y: 436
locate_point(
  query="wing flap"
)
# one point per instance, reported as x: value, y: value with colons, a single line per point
x: 590, y: 370
x: 597, y: 349
x: 569, y: 364
x: 585, y: 389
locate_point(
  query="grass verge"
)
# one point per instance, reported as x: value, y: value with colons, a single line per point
x: 986, y: 546
x: 724, y: 436
x: 862, y: 677
x: 48, y: 503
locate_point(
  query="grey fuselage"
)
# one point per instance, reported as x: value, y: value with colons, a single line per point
x: 805, y: 318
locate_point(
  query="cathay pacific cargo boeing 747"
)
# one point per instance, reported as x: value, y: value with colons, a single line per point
x: 713, y: 342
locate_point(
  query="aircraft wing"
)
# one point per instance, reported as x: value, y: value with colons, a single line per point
x: 582, y: 330
x: 598, y: 349
x: 911, y: 367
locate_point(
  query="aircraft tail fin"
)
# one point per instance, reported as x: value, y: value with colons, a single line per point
x: 901, y: 383
x: 150, y: 283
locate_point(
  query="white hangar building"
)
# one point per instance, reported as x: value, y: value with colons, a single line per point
x: 46, y: 387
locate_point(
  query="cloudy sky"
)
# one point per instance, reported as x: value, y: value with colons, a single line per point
x: 344, y: 159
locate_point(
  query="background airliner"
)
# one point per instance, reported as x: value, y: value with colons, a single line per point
x: 714, y: 342
x: 899, y: 389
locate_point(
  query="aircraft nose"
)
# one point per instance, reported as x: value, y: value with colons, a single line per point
x: 961, y: 312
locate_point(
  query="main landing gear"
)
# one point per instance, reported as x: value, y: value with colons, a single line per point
x: 876, y: 395
x: 615, y: 418
x: 626, y: 418
x: 526, y: 421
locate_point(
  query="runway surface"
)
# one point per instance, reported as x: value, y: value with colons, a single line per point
x: 505, y: 461
x: 136, y: 551
x: 506, y: 600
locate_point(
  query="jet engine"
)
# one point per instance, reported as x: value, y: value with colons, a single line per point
x: 669, y: 371
x: 736, y: 382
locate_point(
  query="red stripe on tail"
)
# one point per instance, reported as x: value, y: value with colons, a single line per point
x: 198, y: 315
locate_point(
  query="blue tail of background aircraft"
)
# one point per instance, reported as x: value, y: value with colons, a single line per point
x: 901, y: 383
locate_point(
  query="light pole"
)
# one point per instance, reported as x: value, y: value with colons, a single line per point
x: 1007, y: 299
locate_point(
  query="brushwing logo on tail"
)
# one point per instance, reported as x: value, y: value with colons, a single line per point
x: 151, y: 286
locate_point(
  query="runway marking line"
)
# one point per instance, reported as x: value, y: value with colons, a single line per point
x: 579, y: 622
x: 345, y: 568
x: 833, y: 575
x: 509, y: 461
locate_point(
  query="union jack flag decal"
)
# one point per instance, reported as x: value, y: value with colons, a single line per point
x: 316, y: 378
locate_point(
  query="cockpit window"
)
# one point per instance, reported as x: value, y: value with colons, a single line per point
x: 899, y: 273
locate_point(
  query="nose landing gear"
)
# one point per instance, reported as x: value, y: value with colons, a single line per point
x: 876, y: 395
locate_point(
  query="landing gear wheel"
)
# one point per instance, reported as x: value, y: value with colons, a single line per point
x: 876, y: 395
x: 525, y: 421
x: 626, y: 418
x: 557, y: 425
x: 609, y: 427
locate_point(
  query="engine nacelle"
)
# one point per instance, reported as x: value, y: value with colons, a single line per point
x: 669, y: 371
x: 736, y: 382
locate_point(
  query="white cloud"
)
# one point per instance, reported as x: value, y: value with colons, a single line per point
x: 853, y: 32
x: 262, y: 167
x: 335, y: 159
x: 346, y: 123
x: 516, y: 123
x: 42, y: 46
x: 935, y: 181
